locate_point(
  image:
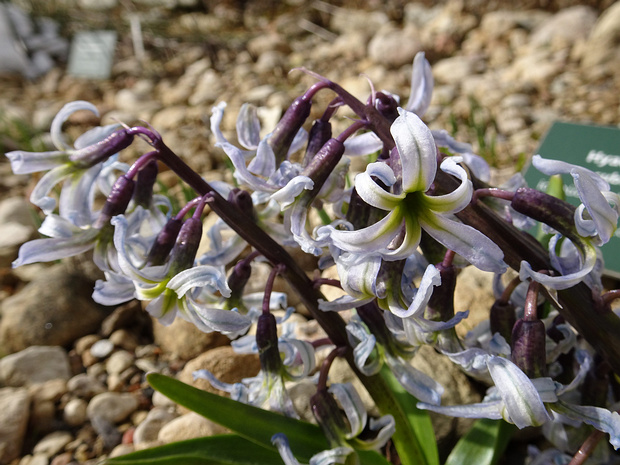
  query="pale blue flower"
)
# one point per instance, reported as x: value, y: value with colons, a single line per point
x: 527, y: 402
x: 192, y: 293
x: 77, y: 166
x: 597, y: 216
x: 411, y: 209
x: 347, y: 441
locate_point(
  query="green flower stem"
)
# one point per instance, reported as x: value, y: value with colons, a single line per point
x: 405, y: 439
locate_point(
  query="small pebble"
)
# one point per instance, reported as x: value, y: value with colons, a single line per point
x: 74, y: 412
x: 102, y: 348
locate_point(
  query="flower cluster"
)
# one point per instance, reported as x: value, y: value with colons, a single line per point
x: 396, y: 235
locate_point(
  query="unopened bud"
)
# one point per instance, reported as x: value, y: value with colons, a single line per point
x: 267, y: 342
x: 186, y: 246
x: 289, y: 125
x: 502, y: 318
x: 164, y: 242
x: 143, y: 194
x: 387, y: 106
x: 243, y: 200
x: 320, y: 133
x: 102, y: 150
x: 327, y: 413
x: 529, y: 347
x: 117, y: 201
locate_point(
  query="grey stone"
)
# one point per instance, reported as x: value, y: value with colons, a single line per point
x: 85, y: 386
x: 36, y: 364
x: 14, y: 414
x: 148, y: 431
x: 113, y: 407
x: 55, y: 308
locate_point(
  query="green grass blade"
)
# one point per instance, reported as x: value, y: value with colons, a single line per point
x: 484, y: 444
x: 214, y: 450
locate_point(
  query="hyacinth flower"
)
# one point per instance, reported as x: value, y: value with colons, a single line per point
x: 283, y: 358
x: 77, y: 166
x: 343, y: 438
x: 177, y: 287
x: 411, y: 209
x: 528, y: 402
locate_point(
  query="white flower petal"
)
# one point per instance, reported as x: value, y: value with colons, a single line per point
x: 248, y: 127
x: 372, y: 193
x: 62, y: 116
x: 422, y: 84
x: 362, y: 144
x: 353, y: 407
x: 418, y: 153
x: 520, y: 397
x: 33, y: 162
x: 198, y: 277
x: 416, y: 383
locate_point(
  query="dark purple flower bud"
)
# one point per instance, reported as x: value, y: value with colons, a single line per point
x: 267, y: 342
x: 288, y: 126
x: 323, y: 163
x: 529, y: 348
x: 328, y: 415
x: 547, y: 209
x: 237, y: 281
x: 102, y: 150
x: 320, y: 133
x: 372, y: 316
x: 117, y: 201
x: 502, y: 318
x: 143, y: 194
x: 387, y: 106
x: 243, y: 200
x: 164, y: 242
x: 186, y: 246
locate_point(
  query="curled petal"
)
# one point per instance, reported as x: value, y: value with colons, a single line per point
x: 299, y: 358
x: 62, y: 116
x: 521, y: 399
x: 46, y: 184
x: 331, y: 456
x: 369, y: 240
x: 386, y: 426
x: 456, y: 200
x: 208, y: 319
x: 362, y: 144
x: 565, y: 281
x: 286, y: 196
x: 466, y: 241
x: 237, y: 157
x: 264, y: 163
x: 430, y: 279
x: 478, y: 166
x: 199, y: 277
x: 415, y: 382
x: 422, y: 84
x: 418, y: 153
x: 281, y: 442
x: 372, y: 193
x: 364, y: 345
x: 115, y: 290
x: 352, y: 405
x: 601, y: 419
x: 248, y: 127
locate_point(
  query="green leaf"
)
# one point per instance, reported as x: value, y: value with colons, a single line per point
x: 419, y: 420
x: 214, y: 450
x: 252, y: 424
x: 484, y: 444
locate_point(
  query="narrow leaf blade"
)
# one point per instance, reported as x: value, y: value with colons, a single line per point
x: 484, y: 444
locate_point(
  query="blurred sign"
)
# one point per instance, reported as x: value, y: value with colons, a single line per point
x: 594, y: 147
x: 91, y: 54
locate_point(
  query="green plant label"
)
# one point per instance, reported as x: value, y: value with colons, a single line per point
x: 91, y: 54
x: 594, y: 147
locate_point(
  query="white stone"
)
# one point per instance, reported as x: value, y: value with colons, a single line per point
x: 74, y: 412
x: 112, y: 406
x: 119, y: 361
x: 189, y: 426
x: 102, y: 348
